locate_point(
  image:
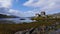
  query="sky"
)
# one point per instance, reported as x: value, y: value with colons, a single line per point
x: 28, y: 8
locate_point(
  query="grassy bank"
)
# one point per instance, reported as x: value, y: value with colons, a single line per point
x: 12, y: 28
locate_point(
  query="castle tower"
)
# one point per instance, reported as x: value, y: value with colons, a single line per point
x: 38, y: 15
x: 43, y: 13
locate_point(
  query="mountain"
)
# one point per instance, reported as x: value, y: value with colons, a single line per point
x: 56, y: 14
x: 7, y: 16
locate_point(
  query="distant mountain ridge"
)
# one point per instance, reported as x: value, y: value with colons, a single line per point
x: 7, y: 16
x: 56, y: 14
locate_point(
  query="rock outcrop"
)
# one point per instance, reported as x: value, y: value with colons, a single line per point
x: 42, y: 30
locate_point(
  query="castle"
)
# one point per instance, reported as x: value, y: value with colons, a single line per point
x: 43, y: 14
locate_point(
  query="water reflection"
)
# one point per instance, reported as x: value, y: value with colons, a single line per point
x: 17, y: 20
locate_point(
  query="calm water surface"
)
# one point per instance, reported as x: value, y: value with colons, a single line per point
x: 17, y: 20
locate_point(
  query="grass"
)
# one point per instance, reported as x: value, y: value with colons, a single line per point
x: 12, y: 28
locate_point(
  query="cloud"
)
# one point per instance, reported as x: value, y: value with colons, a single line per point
x: 5, y: 3
x: 22, y: 14
x: 30, y: 13
x: 5, y: 8
x: 16, y: 12
x: 47, y: 5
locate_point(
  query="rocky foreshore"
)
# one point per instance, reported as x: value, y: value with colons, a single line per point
x: 52, y: 29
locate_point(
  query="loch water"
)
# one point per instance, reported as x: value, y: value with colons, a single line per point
x: 17, y: 20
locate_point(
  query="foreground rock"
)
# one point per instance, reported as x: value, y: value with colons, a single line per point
x: 52, y: 29
x: 39, y: 31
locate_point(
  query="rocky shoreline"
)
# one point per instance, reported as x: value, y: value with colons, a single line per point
x: 52, y: 29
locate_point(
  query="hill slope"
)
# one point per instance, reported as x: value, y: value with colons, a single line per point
x: 6, y: 16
